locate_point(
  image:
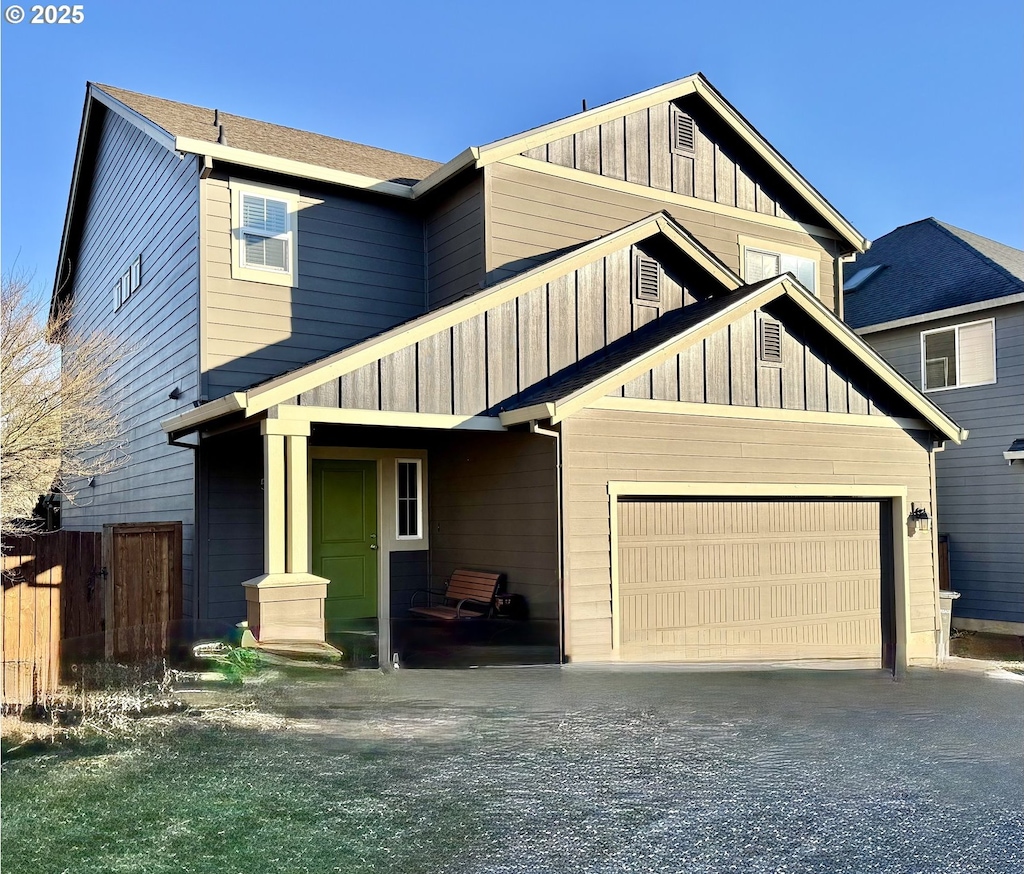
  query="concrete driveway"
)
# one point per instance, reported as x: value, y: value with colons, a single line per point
x: 601, y: 770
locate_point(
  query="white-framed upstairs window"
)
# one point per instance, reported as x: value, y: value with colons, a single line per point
x: 264, y: 233
x: 409, y: 499
x: 959, y: 356
x: 128, y: 283
x: 761, y: 259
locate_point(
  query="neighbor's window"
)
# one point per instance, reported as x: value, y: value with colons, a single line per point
x: 959, y: 356
x: 410, y: 499
x: 763, y: 264
x: 263, y: 233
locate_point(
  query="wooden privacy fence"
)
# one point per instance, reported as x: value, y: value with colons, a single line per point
x: 143, y: 592
x: 79, y: 595
x: 52, y: 588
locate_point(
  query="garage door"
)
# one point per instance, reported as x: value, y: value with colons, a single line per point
x: 732, y: 580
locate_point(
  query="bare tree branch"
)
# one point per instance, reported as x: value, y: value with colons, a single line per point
x: 58, y: 424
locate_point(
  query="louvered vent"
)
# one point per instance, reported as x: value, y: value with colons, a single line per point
x: 647, y: 279
x: 771, y: 341
x: 682, y: 133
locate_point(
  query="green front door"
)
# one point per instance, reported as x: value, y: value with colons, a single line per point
x: 345, y: 539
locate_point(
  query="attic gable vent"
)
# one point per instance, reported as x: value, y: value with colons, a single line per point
x: 771, y: 341
x: 646, y: 279
x: 683, y: 135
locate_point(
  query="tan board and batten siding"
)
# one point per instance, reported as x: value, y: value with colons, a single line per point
x: 156, y: 328
x: 602, y: 446
x: 638, y: 148
x: 487, y: 360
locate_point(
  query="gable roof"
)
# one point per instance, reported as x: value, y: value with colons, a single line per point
x: 930, y: 267
x: 694, y: 84
x: 640, y: 351
x: 196, y: 123
x: 692, y: 324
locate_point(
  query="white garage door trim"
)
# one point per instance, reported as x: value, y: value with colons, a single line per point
x: 897, y: 494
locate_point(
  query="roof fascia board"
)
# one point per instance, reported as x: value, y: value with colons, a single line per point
x: 259, y: 161
x: 574, y: 175
x: 763, y: 414
x: 311, y: 375
x: 140, y: 121
x: 513, y: 145
x: 861, y: 350
x: 191, y: 419
x: 531, y: 413
x: 467, y: 158
x: 343, y: 416
x: 76, y: 174
x: 789, y: 173
x: 623, y: 374
x: 950, y: 312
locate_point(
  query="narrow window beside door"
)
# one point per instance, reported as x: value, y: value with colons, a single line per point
x: 409, y: 491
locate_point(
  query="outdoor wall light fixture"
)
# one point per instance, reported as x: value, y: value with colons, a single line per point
x: 919, y: 520
x: 175, y: 393
x: 91, y: 481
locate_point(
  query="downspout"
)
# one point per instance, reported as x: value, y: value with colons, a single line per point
x: 557, y: 437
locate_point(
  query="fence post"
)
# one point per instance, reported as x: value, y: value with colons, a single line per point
x: 106, y: 554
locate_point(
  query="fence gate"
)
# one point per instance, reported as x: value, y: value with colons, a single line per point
x: 143, y: 589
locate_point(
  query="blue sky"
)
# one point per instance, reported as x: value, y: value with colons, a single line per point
x: 894, y: 110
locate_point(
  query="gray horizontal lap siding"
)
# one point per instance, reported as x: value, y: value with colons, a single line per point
x: 142, y: 200
x: 980, y: 496
x: 532, y: 216
x: 360, y: 271
x: 493, y: 507
x: 230, y: 526
x: 455, y: 244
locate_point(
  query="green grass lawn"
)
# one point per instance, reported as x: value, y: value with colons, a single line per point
x: 229, y: 800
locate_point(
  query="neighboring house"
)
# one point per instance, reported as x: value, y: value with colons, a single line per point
x: 601, y: 357
x: 945, y: 307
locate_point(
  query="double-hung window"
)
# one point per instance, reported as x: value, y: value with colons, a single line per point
x: 263, y: 220
x: 959, y: 356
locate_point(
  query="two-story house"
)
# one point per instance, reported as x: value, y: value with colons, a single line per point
x: 945, y: 307
x: 604, y: 357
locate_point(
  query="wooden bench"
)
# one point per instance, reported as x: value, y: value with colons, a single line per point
x: 476, y: 588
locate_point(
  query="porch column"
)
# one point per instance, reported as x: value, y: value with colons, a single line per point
x: 273, y: 502
x: 286, y: 602
x: 297, y: 523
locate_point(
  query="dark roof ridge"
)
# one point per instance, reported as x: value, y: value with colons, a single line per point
x: 981, y: 256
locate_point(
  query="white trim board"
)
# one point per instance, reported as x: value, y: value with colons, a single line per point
x: 764, y: 414
x: 950, y: 312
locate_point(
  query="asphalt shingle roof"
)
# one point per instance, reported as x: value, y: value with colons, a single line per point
x: 930, y: 265
x: 185, y: 120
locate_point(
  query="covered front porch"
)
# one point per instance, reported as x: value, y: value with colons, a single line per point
x: 360, y: 522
